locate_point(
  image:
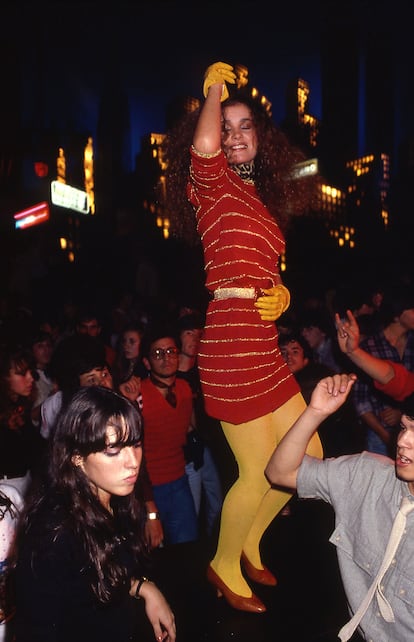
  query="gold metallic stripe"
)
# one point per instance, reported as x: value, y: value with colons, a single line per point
x: 236, y: 293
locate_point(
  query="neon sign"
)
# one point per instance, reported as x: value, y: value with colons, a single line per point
x: 32, y: 216
x: 69, y: 197
x: 307, y: 168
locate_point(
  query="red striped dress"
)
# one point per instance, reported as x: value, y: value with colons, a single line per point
x: 242, y: 372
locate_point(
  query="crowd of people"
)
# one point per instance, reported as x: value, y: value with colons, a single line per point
x: 128, y: 430
x: 152, y: 357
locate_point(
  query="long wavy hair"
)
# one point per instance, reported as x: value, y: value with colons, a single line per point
x: 125, y: 368
x: 21, y: 360
x: 274, y: 163
x: 70, y: 502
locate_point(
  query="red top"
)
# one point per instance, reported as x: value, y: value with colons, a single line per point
x: 165, y: 431
x: 401, y: 385
x: 242, y: 372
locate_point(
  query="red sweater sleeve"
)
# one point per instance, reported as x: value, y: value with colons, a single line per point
x: 400, y: 386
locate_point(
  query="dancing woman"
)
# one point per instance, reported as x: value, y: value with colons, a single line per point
x: 236, y: 173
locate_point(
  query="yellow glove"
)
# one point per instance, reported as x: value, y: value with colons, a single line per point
x: 273, y: 303
x: 219, y: 72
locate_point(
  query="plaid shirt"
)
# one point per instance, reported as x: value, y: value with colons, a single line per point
x: 365, y: 396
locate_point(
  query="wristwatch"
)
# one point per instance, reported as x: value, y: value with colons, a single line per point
x: 152, y: 516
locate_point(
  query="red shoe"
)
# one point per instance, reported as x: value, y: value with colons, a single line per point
x: 259, y: 575
x: 251, y: 604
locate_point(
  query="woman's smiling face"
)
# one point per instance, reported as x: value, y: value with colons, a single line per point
x: 238, y: 137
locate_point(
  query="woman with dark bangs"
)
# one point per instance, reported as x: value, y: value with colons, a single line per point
x: 81, y: 545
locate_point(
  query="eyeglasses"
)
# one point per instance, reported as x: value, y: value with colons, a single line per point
x: 161, y: 353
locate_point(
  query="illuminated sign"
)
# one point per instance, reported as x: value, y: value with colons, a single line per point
x: 307, y: 168
x: 69, y: 197
x: 31, y: 216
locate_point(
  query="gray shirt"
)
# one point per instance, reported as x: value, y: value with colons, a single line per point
x: 365, y: 495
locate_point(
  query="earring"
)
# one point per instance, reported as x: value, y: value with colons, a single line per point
x: 76, y: 460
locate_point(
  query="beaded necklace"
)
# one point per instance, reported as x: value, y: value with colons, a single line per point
x: 245, y: 171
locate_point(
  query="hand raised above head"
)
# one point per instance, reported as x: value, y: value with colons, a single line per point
x: 219, y: 72
x: 331, y: 392
x: 347, y: 332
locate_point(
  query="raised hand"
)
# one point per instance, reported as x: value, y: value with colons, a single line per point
x: 331, y: 392
x: 347, y: 332
x: 219, y: 72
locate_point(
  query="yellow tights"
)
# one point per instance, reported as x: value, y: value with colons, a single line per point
x: 251, y: 504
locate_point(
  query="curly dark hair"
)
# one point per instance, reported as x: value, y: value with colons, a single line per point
x: 21, y: 359
x: 275, y: 160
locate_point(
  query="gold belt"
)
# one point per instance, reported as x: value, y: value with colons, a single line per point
x: 235, y: 293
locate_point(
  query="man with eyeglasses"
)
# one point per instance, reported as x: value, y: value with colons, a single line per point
x: 167, y: 407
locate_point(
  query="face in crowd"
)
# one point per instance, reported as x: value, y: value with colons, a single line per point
x: 162, y: 359
x: 404, y: 461
x: 20, y: 380
x: 114, y: 470
x: 239, y: 139
x: 131, y: 342
x: 42, y: 352
x: 99, y: 376
x: 190, y: 341
x: 294, y: 355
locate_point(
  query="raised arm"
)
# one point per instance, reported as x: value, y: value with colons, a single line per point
x: 348, y: 339
x: 207, y: 136
x: 327, y: 397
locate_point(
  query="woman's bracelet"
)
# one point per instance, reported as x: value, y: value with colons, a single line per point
x: 205, y: 155
x: 140, y: 583
x: 153, y: 515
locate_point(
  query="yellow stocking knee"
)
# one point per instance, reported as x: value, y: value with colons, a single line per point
x: 274, y: 499
x: 251, y: 504
x: 241, y: 502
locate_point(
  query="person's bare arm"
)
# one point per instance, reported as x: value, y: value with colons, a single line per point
x: 157, y: 609
x: 154, y: 532
x: 327, y: 397
x: 207, y: 136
